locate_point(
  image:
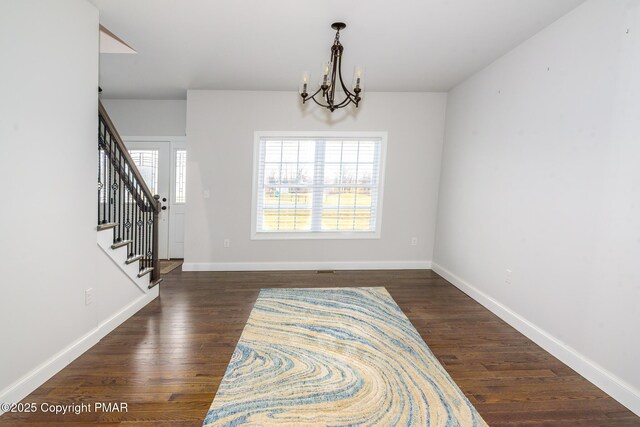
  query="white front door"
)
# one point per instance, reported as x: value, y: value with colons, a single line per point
x: 154, y: 160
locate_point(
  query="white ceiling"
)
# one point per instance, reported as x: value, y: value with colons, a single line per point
x: 405, y: 45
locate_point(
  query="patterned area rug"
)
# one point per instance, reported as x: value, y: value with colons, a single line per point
x: 335, y: 356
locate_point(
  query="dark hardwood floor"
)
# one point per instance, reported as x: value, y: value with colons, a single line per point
x: 167, y: 361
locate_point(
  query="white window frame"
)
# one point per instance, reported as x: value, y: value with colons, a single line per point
x: 324, y: 235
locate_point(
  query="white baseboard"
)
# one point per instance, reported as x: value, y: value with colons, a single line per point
x: 38, y: 376
x: 34, y: 379
x: 614, y: 386
x: 118, y: 319
x: 325, y: 265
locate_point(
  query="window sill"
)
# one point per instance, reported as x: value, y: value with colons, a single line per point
x: 365, y: 235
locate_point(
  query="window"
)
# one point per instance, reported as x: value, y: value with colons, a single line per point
x: 181, y: 174
x: 147, y: 163
x: 318, y: 185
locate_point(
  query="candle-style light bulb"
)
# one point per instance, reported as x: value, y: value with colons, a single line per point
x: 358, y: 79
x: 325, y: 78
x: 304, y: 83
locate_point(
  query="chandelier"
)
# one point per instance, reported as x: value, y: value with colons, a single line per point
x: 331, y: 77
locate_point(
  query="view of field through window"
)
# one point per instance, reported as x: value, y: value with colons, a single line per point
x: 308, y: 185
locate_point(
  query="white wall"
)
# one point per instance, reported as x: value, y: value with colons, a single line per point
x: 48, y: 152
x: 137, y: 117
x: 541, y: 175
x: 220, y: 134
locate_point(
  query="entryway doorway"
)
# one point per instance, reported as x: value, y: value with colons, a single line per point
x: 162, y: 161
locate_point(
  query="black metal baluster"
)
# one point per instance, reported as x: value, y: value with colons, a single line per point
x: 121, y: 196
x: 125, y: 192
x: 99, y: 182
x: 139, y: 228
x: 116, y: 195
x: 136, y: 239
x: 113, y: 185
x: 107, y: 193
x: 129, y: 208
x: 142, y: 242
x: 146, y: 238
x: 140, y: 225
x: 103, y: 161
x: 141, y: 233
x: 149, y: 235
x: 116, y: 230
x: 150, y: 231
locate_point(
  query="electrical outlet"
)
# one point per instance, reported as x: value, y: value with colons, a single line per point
x: 414, y: 241
x: 507, y: 276
x: 88, y: 296
x: 226, y: 243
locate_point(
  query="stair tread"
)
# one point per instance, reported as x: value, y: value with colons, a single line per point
x: 145, y: 271
x: 133, y: 259
x: 121, y: 244
x: 155, y: 283
x: 107, y: 226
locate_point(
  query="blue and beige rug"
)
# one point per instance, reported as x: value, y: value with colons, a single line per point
x: 335, y: 357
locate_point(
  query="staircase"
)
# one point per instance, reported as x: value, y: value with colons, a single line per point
x: 127, y: 210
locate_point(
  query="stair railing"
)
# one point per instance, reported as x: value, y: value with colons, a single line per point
x: 125, y: 202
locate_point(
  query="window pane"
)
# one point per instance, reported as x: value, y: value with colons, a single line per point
x: 270, y: 220
x: 333, y: 151
x: 348, y: 197
x: 147, y: 163
x: 307, y: 152
x: 273, y: 150
x: 349, y: 151
x: 304, y: 196
x: 365, y: 173
x: 348, y: 174
x: 290, y: 151
x: 294, y: 173
x: 272, y: 175
x: 303, y: 220
x: 271, y: 197
x: 181, y: 176
x: 329, y: 219
x: 366, y: 152
x: 305, y: 173
x: 331, y: 198
x: 332, y: 174
x: 363, y: 198
x: 362, y: 220
x: 346, y: 219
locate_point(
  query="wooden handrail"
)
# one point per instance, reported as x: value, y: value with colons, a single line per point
x: 155, y: 204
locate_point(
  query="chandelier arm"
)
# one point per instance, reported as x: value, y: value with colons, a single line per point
x: 316, y: 101
x: 348, y: 100
x: 344, y: 87
x: 315, y: 93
